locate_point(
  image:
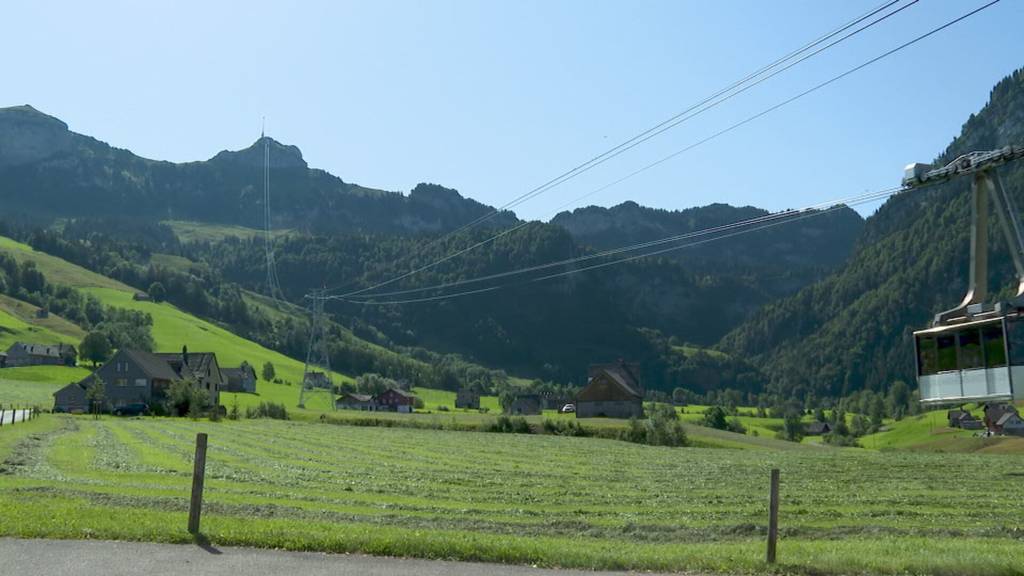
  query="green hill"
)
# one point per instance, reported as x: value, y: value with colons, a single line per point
x: 852, y: 330
x: 174, y: 328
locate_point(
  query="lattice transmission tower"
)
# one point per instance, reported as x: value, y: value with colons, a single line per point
x: 316, y: 377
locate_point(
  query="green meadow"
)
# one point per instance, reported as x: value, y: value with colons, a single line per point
x: 525, y: 499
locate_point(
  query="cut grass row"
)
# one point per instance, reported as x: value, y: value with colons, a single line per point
x: 542, y: 500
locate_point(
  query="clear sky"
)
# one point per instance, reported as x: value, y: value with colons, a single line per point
x: 495, y: 97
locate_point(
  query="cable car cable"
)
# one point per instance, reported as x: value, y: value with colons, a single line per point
x: 656, y: 130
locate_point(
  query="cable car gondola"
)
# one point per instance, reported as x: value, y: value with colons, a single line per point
x: 975, y: 351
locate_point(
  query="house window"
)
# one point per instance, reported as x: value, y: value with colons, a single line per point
x: 121, y: 382
x: 140, y: 382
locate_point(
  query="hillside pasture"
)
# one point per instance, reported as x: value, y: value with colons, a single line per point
x: 541, y: 500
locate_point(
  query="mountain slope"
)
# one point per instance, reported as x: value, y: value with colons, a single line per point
x: 172, y: 327
x: 853, y: 329
x: 48, y: 171
x: 777, y: 261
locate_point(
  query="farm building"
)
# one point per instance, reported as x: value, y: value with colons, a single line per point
x: 1010, y: 424
x: 141, y: 297
x: 241, y: 379
x: 818, y: 428
x: 963, y: 419
x: 350, y: 401
x: 394, y: 400
x: 134, y: 376
x: 467, y: 399
x: 3, y: 359
x: 71, y: 398
x: 994, y: 413
x: 526, y: 405
x: 26, y: 354
x: 42, y: 314
x: 612, y: 391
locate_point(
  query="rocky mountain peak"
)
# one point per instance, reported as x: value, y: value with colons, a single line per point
x: 281, y: 155
x: 28, y: 135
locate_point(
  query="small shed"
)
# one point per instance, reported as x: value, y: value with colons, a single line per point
x: 241, y: 379
x: 351, y: 401
x: 954, y: 417
x: 818, y: 428
x: 525, y: 405
x: 469, y: 399
x: 994, y: 413
x: 71, y: 398
x: 142, y: 297
x: 42, y: 313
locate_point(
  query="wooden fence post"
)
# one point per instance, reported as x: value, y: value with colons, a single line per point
x: 773, y: 515
x: 198, y: 472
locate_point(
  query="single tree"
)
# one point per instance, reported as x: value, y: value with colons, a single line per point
x: 95, y: 395
x: 95, y: 347
x: 793, y: 428
x: 268, y: 371
x: 157, y: 292
x: 715, y: 417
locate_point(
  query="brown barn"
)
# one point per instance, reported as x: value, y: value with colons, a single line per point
x: 612, y: 391
x: 395, y: 400
x: 241, y: 379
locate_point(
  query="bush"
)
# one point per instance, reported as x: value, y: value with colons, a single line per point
x: 661, y: 429
x: 441, y: 408
x: 267, y: 410
x: 563, y: 428
x: 507, y: 425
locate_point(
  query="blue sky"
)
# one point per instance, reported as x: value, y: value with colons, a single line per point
x: 493, y: 98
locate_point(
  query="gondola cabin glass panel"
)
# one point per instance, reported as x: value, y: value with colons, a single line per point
x: 968, y: 362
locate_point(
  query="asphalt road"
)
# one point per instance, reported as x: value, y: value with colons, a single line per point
x: 101, y: 558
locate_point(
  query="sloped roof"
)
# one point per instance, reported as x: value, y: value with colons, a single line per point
x: 151, y: 364
x: 199, y: 363
x: 48, y: 350
x: 400, y: 392
x: 1007, y: 418
x: 620, y: 374
x: 356, y: 397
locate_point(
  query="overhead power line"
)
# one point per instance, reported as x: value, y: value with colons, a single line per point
x: 726, y: 130
x: 736, y: 88
x: 786, y: 215
x: 717, y: 233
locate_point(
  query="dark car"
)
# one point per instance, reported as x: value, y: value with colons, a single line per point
x: 137, y: 409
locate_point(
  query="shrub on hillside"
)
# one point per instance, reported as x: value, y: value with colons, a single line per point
x: 267, y: 410
x: 509, y: 425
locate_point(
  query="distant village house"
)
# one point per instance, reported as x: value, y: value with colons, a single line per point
x: 241, y: 379
x: 526, y: 405
x: 469, y: 399
x: 818, y: 429
x: 612, y: 391
x: 394, y: 400
x: 134, y: 376
x: 351, y: 401
x: 26, y: 354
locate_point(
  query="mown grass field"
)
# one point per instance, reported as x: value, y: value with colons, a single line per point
x: 541, y: 500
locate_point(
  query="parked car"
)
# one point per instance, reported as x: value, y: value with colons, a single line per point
x: 568, y: 409
x: 137, y: 409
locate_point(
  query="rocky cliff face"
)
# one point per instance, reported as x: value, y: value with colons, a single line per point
x: 281, y: 155
x: 27, y: 135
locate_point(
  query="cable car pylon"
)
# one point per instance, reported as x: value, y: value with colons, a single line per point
x: 316, y: 375
x: 975, y: 351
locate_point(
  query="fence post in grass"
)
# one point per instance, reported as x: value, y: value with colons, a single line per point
x: 198, y: 472
x: 773, y: 515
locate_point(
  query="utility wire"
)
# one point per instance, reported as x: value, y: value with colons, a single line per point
x: 800, y: 216
x: 732, y: 127
x: 785, y: 214
x: 737, y: 228
x: 690, y: 112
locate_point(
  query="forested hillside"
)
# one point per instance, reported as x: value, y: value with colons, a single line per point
x: 48, y: 171
x: 774, y: 262
x: 100, y: 207
x: 853, y: 329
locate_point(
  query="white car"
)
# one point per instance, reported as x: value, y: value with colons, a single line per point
x: 568, y: 409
